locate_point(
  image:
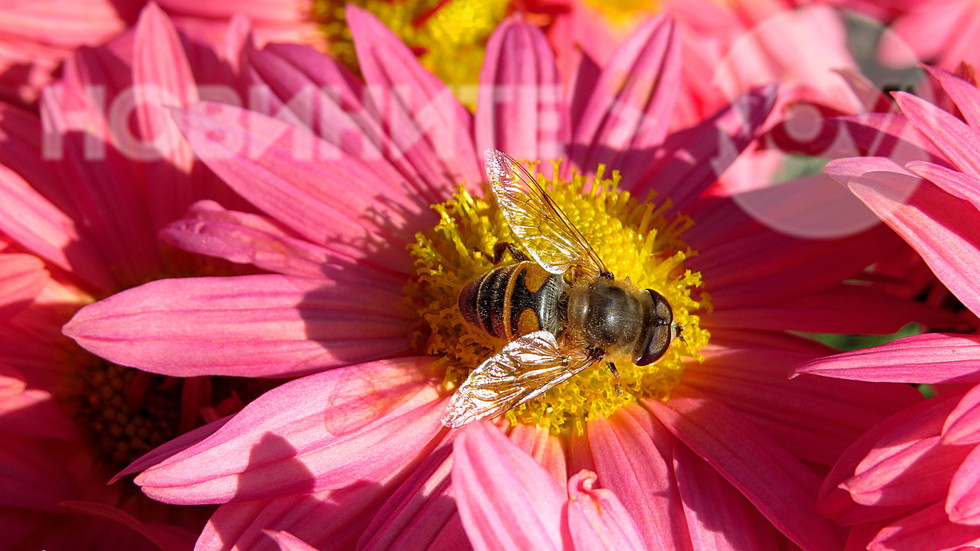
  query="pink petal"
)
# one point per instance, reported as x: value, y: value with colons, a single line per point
x: 907, y: 474
x: 962, y: 427
x: 775, y: 482
x: 520, y: 82
x: 632, y: 102
x: 928, y: 358
x: 421, y: 513
x: 930, y: 529
x: 257, y: 326
x: 22, y: 277
x: 427, y: 123
x: 963, y: 502
x: 964, y: 94
x: 162, y: 77
x: 314, y: 90
x: 172, y: 447
x: 939, y: 226
x: 693, y: 159
x: 39, y: 227
x: 960, y: 184
x: 959, y: 142
x: 814, y: 418
x: 312, y: 187
x: 718, y: 517
x: 846, y: 309
x: 596, y: 517
x: 506, y: 499
x: 887, y: 135
x: 281, y: 444
x: 289, y: 542
x: 248, y: 238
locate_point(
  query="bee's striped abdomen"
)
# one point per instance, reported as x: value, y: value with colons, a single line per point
x: 513, y: 300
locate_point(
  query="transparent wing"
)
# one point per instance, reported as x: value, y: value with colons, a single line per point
x: 551, y: 239
x: 525, y: 368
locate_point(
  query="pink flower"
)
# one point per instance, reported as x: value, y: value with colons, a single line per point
x: 911, y: 482
x: 351, y: 452
x: 79, y: 219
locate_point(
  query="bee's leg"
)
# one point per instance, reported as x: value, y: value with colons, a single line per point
x: 615, y: 372
x: 499, y: 248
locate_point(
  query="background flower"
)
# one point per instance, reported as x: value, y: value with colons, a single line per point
x: 910, y: 482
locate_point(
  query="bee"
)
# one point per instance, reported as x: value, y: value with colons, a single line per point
x: 561, y: 310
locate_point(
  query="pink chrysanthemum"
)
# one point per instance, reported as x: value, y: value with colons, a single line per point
x: 374, y: 221
x: 78, y: 221
x: 912, y: 481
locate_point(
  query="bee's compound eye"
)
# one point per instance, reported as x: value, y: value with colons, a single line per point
x: 661, y: 333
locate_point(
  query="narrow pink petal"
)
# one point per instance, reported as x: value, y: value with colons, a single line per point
x: 888, y: 135
x: 289, y: 542
x: 913, y: 423
x: 718, y: 517
x: 162, y: 78
x: 318, y: 191
x: 715, y: 143
x: 929, y: 358
x: 280, y: 444
x: 962, y: 427
x: 797, y: 413
x: 963, y: 502
x: 906, y: 474
x: 964, y: 94
x: 957, y: 183
x: 41, y: 228
x: 308, y: 88
x: 421, y: 512
x: 632, y: 102
x: 596, y: 517
x: 940, y: 227
x: 249, y: 238
x: 427, y: 123
x: 164, y: 536
x: 846, y: 309
x: 959, y: 142
x: 546, y: 448
x: 172, y: 447
x: 256, y: 326
x: 505, y: 498
x: 22, y: 277
x: 520, y: 106
x: 631, y: 464
x: 929, y: 528
x: 775, y: 482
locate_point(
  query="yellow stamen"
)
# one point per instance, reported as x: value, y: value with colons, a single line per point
x: 635, y: 239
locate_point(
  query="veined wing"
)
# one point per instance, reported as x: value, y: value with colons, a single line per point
x: 551, y: 239
x: 527, y: 367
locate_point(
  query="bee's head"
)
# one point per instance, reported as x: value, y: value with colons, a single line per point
x: 664, y: 330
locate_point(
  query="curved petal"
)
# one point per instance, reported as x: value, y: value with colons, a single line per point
x: 962, y: 427
x: 520, y: 107
x: 257, y: 326
x: 959, y: 142
x: 963, y: 501
x: 22, y: 277
x: 928, y: 528
x: 596, y: 517
x: 426, y: 122
x: 505, y: 498
x: 289, y: 542
x: 930, y: 358
x: 638, y: 471
x: 318, y: 191
x: 775, y: 482
x: 282, y: 444
x: 631, y: 104
x: 964, y: 94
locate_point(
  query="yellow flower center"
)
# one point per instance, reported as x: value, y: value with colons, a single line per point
x: 635, y: 239
x: 448, y: 36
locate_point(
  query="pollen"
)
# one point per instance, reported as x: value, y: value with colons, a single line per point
x: 641, y: 240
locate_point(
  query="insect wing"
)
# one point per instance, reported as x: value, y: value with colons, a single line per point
x: 525, y: 368
x: 552, y: 240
